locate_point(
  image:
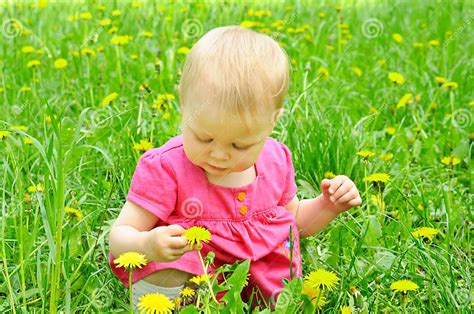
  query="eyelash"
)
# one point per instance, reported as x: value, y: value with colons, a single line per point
x: 238, y: 148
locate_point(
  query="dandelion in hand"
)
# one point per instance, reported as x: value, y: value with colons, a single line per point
x: 196, y: 235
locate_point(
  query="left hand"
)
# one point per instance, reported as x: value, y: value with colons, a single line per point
x: 340, y: 193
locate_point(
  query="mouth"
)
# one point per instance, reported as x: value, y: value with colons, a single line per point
x: 216, y: 168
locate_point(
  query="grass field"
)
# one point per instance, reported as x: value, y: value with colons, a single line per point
x: 377, y: 87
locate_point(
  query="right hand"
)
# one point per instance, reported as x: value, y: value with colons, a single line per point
x: 167, y: 243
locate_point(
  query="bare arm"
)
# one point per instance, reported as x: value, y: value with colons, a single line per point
x: 312, y: 215
x: 133, y: 232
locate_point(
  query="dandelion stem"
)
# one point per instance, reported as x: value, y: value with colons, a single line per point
x: 130, y: 290
x: 207, y: 277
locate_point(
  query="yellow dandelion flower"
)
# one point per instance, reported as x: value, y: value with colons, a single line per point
x: 27, y: 49
x: 73, y: 212
x: 36, y: 188
x: 105, y: 22
x: 324, y: 72
x: 403, y: 286
x: 177, y: 301
x: 200, y: 279
x: 27, y: 141
x: 449, y: 86
x: 397, y: 37
x: 417, y: 44
x: 60, y: 63
x: 386, y: 157
x: 377, y: 177
x: 147, y: 34
x: 425, y: 232
x: 450, y: 160
x: 155, y: 303
x: 406, y: 99
x: 329, y: 175
x: 433, y: 43
x: 396, y: 78
x: 4, y: 134
x: 25, y: 89
x: 99, y: 49
x: 113, y: 30
x: 183, y: 50
x: 130, y: 260
x: 346, y: 309
x: 33, y: 63
x: 162, y: 102
x: 357, y: 71
x: 85, y: 16
x: 322, y: 279
x: 134, y: 56
x: 366, y: 154
x: 116, y: 13
x: 101, y: 8
x: 109, y: 98
x: 143, y: 145
x: 440, y: 80
x: 187, y: 292
x: 315, y: 295
x: 121, y: 39
x: 390, y: 130
x: 87, y: 52
x: 196, y: 234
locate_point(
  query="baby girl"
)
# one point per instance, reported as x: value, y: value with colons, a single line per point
x: 226, y: 174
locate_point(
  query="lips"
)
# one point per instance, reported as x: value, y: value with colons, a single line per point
x: 217, y: 168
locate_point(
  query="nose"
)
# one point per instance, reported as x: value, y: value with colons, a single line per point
x: 218, y: 154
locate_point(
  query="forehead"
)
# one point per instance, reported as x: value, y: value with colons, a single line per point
x: 208, y: 120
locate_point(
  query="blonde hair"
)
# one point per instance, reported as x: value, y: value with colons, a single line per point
x: 243, y: 71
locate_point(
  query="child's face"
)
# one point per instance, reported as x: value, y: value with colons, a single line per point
x: 211, y: 138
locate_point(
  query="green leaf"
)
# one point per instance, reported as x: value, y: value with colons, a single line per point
x: 235, y: 284
x: 374, y: 232
x: 289, y: 296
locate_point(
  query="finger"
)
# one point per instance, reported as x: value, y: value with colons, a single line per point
x: 350, y: 195
x: 355, y: 202
x: 345, y: 187
x: 325, y: 184
x: 179, y: 242
x: 175, y: 230
x: 336, y: 183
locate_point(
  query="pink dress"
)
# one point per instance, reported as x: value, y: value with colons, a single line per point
x: 248, y: 222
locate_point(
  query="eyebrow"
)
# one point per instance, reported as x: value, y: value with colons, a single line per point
x: 243, y: 142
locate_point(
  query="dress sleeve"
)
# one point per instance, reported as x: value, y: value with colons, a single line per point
x: 289, y: 186
x: 153, y: 185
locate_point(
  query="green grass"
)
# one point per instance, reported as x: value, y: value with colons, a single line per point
x: 84, y: 157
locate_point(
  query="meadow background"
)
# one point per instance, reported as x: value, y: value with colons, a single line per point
x: 86, y: 87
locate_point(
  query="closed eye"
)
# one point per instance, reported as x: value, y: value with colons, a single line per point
x: 240, y: 148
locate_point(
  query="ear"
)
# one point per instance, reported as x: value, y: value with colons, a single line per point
x: 276, y: 115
